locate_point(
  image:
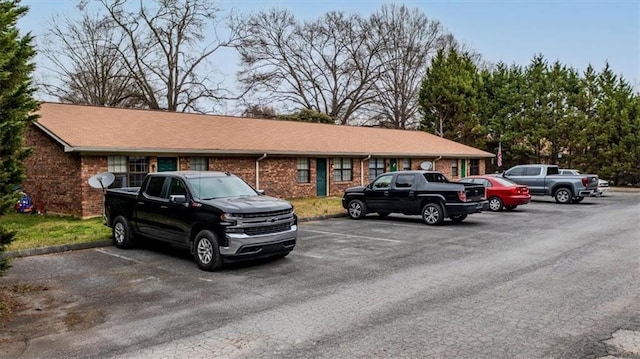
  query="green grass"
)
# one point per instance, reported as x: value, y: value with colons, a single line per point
x: 34, y: 231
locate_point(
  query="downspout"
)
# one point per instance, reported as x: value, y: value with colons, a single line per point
x: 362, y: 169
x: 434, y: 162
x: 258, y: 170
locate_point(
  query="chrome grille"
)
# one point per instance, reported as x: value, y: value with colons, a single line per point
x: 264, y: 214
x: 274, y: 228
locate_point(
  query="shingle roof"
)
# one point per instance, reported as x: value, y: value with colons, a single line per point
x: 100, y: 129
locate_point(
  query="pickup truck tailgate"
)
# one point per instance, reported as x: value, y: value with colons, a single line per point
x: 474, y: 192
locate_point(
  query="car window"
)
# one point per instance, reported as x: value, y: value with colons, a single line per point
x: 382, y: 182
x: 154, y: 187
x: 177, y: 187
x: 485, y: 182
x: 552, y: 170
x: 435, y: 177
x: 532, y: 171
x: 518, y: 171
x: 405, y: 180
x: 505, y: 182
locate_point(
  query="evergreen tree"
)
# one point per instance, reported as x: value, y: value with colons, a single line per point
x: 16, y: 107
x: 448, y: 97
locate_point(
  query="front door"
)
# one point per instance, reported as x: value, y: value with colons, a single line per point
x: 393, y: 165
x: 167, y: 164
x: 321, y: 177
x: 463, y: 168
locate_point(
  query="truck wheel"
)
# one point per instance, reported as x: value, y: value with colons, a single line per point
x: 383, y: 214
x: 432, y: 214
x: 495, y: 204
x: 357, y: 209
x: 459, y: 218
x: 121, y: 233
x: 563, y: 195
x: 206, y: 251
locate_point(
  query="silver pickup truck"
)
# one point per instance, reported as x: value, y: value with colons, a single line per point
x: 546, y: 180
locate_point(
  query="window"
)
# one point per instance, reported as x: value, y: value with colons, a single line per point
x: 154, y: 187
x: 516, y: 171
x: 342, y: 169
x: 532, y: 171
x: 435, y: 177
x: 454, y: 168
x: 406, y: 164
x: 383, y: 182
x: 474, y: 167
x: 405, y: 181
x: 376, y: 167
x: 129, y: 171
x: 198, y: 164
x: 177, y: 188
x: 303, y: 174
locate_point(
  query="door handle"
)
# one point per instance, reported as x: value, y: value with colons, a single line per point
x: 164, y: 207
x: 386, y: 193
x: 140, y: 202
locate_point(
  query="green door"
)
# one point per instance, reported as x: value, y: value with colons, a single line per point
x: 463, y: 169
x: 321, y: 177
x: 393, y: 165
x: 167, y: 164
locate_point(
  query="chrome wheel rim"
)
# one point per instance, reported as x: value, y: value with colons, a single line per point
x: 205, y: 251
x: 563, y: 196
x: 431, y: 215
x: 355, y: 209
x: 118, y: 233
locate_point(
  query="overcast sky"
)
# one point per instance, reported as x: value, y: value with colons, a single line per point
x: 576, y: 33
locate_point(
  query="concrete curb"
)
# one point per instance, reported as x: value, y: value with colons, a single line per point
x: 106, y: 243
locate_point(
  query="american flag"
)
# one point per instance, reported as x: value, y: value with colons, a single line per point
x: 500, y: 154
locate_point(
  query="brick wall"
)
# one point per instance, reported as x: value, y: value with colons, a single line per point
x: 61, y: 179
x: 92, y: 198
x: 52, y: 176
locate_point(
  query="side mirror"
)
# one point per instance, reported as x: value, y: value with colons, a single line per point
x: 178, y: 198
x: 260, y: 192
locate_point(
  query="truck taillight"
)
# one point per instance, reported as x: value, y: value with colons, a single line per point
x: 585, y: 181
x: 462, y: 196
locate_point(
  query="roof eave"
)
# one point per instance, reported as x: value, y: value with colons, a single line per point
x: 232, y: 152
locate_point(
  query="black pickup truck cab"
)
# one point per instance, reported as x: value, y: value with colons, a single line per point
x: 216, y: 215
x: 425, y: 193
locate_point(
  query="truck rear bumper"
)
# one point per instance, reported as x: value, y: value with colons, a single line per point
x: 589, y: 193
x: 242, y: 246
x: 454, y: 209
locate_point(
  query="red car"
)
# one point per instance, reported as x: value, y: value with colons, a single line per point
x: 501, y: 192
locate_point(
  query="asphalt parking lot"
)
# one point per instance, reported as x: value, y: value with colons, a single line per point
x: 544, y: 281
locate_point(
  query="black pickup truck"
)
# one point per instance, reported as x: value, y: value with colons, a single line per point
x: 216, y: 215
x: 426, y: 193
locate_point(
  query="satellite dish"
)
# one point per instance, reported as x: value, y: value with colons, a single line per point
x: 426, y: 165
x: 102, y: 180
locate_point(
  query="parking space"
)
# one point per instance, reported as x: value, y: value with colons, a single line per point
x: 545, y: 280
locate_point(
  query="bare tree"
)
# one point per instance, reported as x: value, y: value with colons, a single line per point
x: 87, y: 65
x: 163, y: 51
x: 324, y: 65
x: 408, y: 39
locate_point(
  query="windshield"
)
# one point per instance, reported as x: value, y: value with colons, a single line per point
x: 220, y: 187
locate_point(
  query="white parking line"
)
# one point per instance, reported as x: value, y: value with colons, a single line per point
x: 118, y: 256
x: 353, y: 235
x: 306, y: 255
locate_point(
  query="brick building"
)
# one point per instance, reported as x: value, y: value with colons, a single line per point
x: 287, y: 159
